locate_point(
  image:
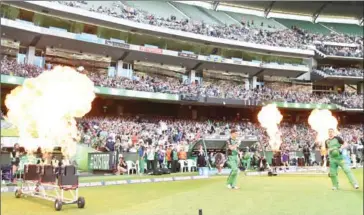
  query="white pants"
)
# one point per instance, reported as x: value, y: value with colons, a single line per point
x: 353, y: 158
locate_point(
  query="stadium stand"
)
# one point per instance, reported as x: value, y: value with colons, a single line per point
x: 126, y: 132
x: 203, y: 21
x: 353, y: 72
x: 153, y: 83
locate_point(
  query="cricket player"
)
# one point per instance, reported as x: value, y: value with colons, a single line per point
x: 233, y: 160
x: 335, y: 145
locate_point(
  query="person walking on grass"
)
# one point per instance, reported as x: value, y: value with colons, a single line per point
x: 233, y: 160
x: 335, y: 146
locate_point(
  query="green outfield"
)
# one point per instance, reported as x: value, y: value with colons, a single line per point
x: 259, y: 195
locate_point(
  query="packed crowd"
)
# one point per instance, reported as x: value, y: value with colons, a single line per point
x: 125, y: 133
x: 11, y: 67
x: 354, y: 72
x: 217, y: 89
x: 349, y: 100
x: 294, y: 37
x: 342, y: 51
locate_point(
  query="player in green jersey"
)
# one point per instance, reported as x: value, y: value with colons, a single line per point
x: 233, y: 160
x: 334, y: 146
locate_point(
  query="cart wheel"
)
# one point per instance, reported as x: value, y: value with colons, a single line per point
x: 17, y: 193
x: 81, y: 202
x: 58, y: 205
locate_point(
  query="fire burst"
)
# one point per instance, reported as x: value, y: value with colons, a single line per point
x: 44, y: 109
x: 269, y: 118
x: 321, y: 121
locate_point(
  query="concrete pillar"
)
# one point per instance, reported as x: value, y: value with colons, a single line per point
x: 119, y: 68
x: 120, y: 110
x: 336, y: 88
x: 297, y: 118
x: 253, y: 82
x: 247, y: 85
x: 30, y: 55
x: 360, y: 88
x: 194, y: 114
x: 192, y: 75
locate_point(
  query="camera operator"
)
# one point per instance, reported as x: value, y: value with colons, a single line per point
x: 353, y: 149
x: 15, y: 155
x: 306, y: 153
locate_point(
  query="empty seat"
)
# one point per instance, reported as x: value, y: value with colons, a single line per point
x: 31, y: 172
x: 47, y: 174
x: 68, y: 177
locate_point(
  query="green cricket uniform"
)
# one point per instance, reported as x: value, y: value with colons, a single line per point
x: 336, y: 159
x: 246, y: 160
x: 233, y: 162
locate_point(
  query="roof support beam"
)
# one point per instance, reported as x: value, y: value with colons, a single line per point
x: 259, y: 72
x: 125, y: 55
x: 35, y: 40
x: 215, y: 4
x: 318, y: 12
x: 268, y: 9
x: 197, y: 66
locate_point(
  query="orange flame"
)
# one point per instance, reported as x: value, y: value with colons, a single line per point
x: 269, y: 118
x: 44, y: 109
x: 321, y: 121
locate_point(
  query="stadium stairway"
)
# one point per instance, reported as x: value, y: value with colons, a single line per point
x: 319, y: 53
x: 305, y: 25
x: 157, y: 8
x: 268, y: 24
x: 221, y: 16
x: 196, y: 14
x: 318, y: 75
x: 219, y: 21
x: 349, y: 29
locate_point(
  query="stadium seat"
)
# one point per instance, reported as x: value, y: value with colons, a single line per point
x: 182, y: 164
x: 191, y: 164
x: 47, y: 174
x: 305, y: 25
x: 31, y: 172
x: 69, y: 177
x: 131, y: 166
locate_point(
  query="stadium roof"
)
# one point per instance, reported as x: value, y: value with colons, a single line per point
x: 352, y: 9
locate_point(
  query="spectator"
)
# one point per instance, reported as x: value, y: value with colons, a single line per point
x: 306, y: 154
x: 150, y: 158
x: 169, y: 157
x: 201, y: 157
x: 174, y: 156
x: 161, y: 155
x: 141, y: 158
x: 122, y: 166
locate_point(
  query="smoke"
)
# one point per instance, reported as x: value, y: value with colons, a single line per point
x: 44, y: 109
x: 321, y: 121
x: 269, y: 118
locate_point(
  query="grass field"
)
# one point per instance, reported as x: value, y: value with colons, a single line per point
x: 261, y: 195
